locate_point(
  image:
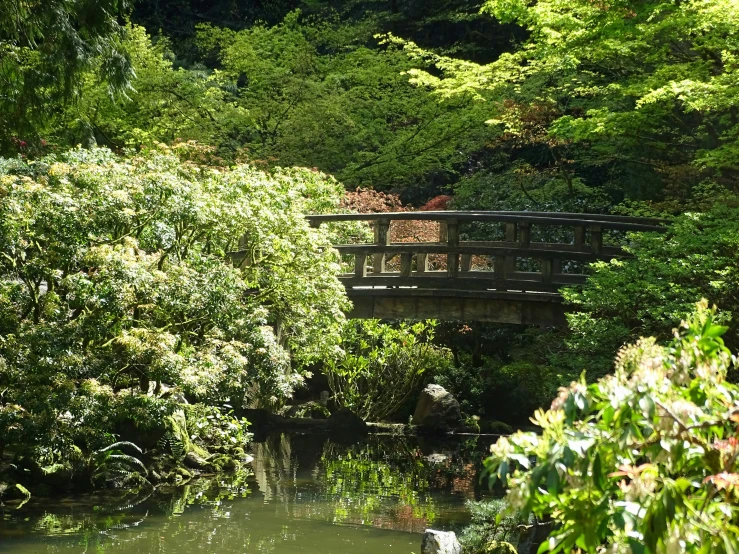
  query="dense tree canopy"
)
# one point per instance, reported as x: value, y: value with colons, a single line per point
x: 634, y: 97
x: 44, y: 48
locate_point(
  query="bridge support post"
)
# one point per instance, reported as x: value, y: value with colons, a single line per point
x: 596, y: 239
x: 547, y: 270
x: 466, y: 263
x: 406, y: 263
x: 579, y: 236
x: 499, y: 272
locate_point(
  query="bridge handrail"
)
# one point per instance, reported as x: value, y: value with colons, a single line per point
x: 567, y: 220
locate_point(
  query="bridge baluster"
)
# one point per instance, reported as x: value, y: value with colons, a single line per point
x: 466, y: 262
x: 422, y: 263
x: 596, y: 239
x: 382, y: 238
x: 452, y: 258
x: 511, y: 235
x: 406, y: 262
x: 360, y: 265
x: 547, y: 270
x: 524, y: 234
x: 499, y: 271
x: 556, y: 266
x: 579, y: 235
x: 442, y: 231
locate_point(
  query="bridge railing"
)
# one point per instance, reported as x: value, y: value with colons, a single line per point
x: 553, y: 259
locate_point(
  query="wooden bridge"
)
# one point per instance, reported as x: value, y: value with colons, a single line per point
x: 514, y: 277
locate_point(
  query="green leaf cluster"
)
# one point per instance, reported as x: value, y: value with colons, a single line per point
x: 45, y: 48
x: 644, y: 460
x: 634, y: 97
x: 382, y: 365
x: 642, y: 296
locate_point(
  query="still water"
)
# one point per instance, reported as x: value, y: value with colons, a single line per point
x: 303, y: 494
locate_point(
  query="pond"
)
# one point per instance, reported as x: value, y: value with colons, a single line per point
x: 304, y: 495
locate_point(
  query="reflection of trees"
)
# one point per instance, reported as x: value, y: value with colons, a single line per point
x: 95, y: 520
x: 273, y: 466
x: 301, y: 487
x: 394, y: 482
x: 373, y: 484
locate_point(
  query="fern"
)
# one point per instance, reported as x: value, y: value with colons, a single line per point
x: 116, y: 468
x: 118, y: 445
x: 172, y: 444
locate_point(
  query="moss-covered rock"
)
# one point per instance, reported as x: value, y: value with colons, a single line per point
x: 499, y: 547
x: 177, y: 427
x: 314, y: 410
x: 495, y: 427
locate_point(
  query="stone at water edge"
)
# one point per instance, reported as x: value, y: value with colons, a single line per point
x: 323, y: 398
x: 346, y: 422
x: 437, y: 408
x: 440, y: 542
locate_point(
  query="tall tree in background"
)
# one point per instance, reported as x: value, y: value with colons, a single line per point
x: 45, y: 46
x: 638, y: 97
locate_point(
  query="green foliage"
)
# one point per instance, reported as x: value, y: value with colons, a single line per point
x: 111, y: 465
x: 487, y: 527
x: 382, y: 366
x: 45, y: 47
x: 500, y: 373
x: 116, y: 277
x: 644, y: 460
x: 310, y: 91
x: 350, y: 112
x: 520, y: 186
x: 167, y: 104
x: 622, y: 300
x: 636, y: 97
x: 364, y: 478
x: 212, y: 426
x: 503, y: 391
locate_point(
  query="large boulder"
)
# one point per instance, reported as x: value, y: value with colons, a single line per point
x: 347, y: 423
x: 440, y: 542
x: 437, y: 409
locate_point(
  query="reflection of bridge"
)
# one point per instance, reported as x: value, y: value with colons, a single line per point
x: 512, y: 280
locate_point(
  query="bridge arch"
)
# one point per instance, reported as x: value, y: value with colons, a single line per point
x: 518, y: 282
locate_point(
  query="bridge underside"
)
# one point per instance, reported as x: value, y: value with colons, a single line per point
x: 450, y: 305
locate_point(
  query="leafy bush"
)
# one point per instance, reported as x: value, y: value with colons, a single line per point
x: 641, y: 461
x: 213, y: 426
x: 487, y: 527
x: 697, y: 258
x: 116, y: 277
x: 382, y: 366
x: 502, y: 391
x: 113, y: 466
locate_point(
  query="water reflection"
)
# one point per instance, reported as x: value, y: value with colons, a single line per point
x: 305, y: 495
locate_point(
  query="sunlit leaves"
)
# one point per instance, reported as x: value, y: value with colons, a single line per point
x: 646, y: 464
